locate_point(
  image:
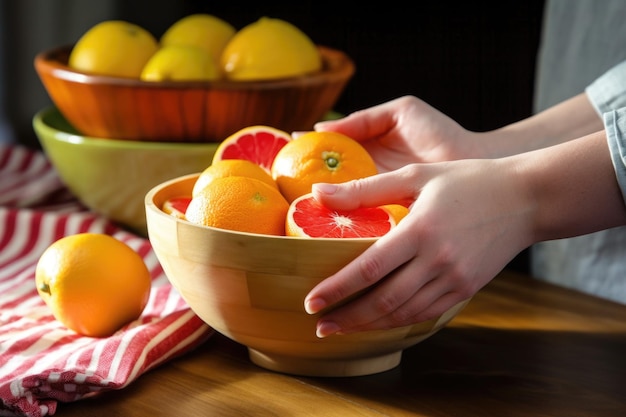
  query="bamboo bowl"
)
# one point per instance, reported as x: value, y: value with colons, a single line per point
x: 123, y: 108
x: 251, y: 288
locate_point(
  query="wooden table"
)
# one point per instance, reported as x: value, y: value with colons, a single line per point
x: 520, y: 348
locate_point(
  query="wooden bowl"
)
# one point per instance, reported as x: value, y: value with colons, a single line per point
x: 251, y: 288
x: 122, y: 108
x: 112, y: 177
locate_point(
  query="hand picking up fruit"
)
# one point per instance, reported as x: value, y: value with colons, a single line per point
x: 260, y: 182
x: 199, y: 47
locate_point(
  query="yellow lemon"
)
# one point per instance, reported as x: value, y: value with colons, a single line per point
x: 93, y: 283
x: 113, y: 47
x: 180, y: 63
x: 269, y: 49
x: 201, y: 30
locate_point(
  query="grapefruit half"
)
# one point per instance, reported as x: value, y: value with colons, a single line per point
x: 177, y: 206
x: 258, y: 144
x: 307, y: 217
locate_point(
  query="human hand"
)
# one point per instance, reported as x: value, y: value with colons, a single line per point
x: 469, y: 219
x: 406, y: 130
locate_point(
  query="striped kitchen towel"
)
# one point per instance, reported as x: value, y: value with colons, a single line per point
x: 43, y: 363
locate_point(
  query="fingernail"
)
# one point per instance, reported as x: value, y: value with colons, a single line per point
x: 326, y: 328
x: 297, y: 134
x: 314, y: 305
x: 325, y: 188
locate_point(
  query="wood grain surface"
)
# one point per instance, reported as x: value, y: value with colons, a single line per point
x: 520, y: 348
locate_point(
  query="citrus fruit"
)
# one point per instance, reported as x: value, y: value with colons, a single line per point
x: 269, y: 49
x: 397, y: 211
x: 201, y: 30
x: 176, y: 206
x: 93, y: 283
x: 239, y: 203
x: 180, y: 63
x: 229, y: 168
x: 319, y: 157
x: 113, y: 47
x: 307, y: 217
x: 258, y: 144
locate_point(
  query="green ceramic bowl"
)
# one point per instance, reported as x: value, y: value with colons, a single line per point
x: 112, y: 177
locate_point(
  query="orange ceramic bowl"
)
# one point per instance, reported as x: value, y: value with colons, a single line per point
x: 251, y: 288
x: 121, y: 108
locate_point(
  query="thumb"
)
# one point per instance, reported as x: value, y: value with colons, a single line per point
x: 377, y: 190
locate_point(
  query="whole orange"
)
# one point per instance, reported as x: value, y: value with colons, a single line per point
x: 93, y: 283
x: 319, y: 157
x: 239, y: 203
x: 232, y: 167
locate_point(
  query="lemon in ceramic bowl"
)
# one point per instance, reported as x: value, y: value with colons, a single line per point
x: 112, y: 176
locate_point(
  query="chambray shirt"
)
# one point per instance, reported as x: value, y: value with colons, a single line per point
x: 583, y: 48
x: 608, y: 96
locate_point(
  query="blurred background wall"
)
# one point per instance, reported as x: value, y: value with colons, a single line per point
x: 474, y: 60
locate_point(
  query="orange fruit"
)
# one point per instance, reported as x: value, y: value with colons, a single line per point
x: 319, y: 157
x: 176, y: 206
x: 307, y: 217
x: 93, y: 283
x: 229, y: 168
x: 258, y: 144
x: 397, y: 211
x: 239, y: 203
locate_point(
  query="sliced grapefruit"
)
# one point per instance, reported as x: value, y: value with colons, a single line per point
x: 177, y: 206
x: 307, y: 217
x: 258, y: 144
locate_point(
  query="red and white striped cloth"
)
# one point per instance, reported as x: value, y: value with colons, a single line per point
x: 42, y: 362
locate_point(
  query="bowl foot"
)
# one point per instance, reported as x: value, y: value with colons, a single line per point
x: 325, y: 367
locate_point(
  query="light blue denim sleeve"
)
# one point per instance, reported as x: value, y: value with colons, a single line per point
x: 608, y: 92
x: 615, y: 125
x: 608, y: 96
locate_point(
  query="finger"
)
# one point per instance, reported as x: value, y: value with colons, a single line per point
x: 434, y: 311
x: 391, y: 187
x: 385, y: 299
x: 365, y: 124
x: 430, y: 301
x: 364, y: 271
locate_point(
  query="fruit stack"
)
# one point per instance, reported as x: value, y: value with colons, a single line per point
x: 260, y: 181
x: 197, y: 47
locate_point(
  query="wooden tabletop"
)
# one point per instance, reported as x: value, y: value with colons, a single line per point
x: 520, y: 348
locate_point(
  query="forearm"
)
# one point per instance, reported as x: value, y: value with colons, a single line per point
x: 572, y: 188
x: 568, y: 120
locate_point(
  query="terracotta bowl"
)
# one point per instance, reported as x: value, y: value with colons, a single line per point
x: 251, y: 288
x: 110, y: 176
x: 121, y: 108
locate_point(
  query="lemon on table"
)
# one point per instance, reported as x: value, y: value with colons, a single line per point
x: 113, y: 47
x: 93, y: 283
x: 180, y: 63
x: 201, y: 30
x: 268, y: 49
